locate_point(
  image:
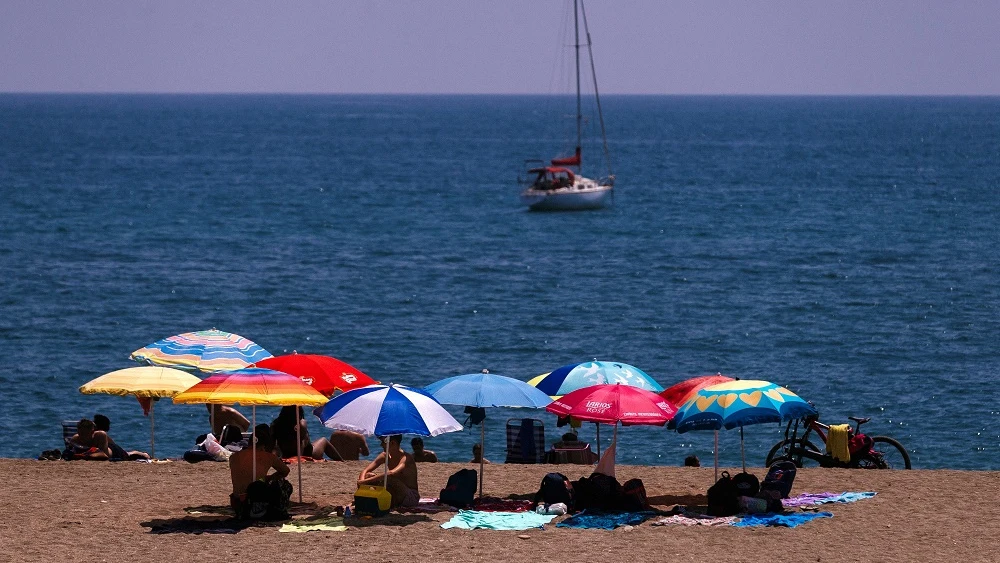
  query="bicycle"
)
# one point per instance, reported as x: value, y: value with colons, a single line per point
x: 867, y: 452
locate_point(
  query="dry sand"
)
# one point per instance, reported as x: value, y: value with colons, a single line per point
x: 96, y: 511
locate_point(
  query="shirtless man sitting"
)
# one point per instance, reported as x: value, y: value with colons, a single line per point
x: 420, y: 454
x: 221, y: 415
x: 350, y: 446
x: 402, y: 481
x: 249, y: 465
x: 89, y: 443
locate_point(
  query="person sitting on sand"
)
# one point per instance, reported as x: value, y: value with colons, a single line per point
x: 350, y: 446
x: 402, y: 477
x: 220, y: 415
x: 88, y: 443
x: 477, y: 454
x: 287, y: 438
x: 420, y: 454
x: 257, y: 493
x: 118, y: 453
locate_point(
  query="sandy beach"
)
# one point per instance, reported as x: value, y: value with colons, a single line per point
x: 94, y: 511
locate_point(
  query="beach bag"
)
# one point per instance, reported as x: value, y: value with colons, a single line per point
x: 747, y: 484
x: 634, y: 499
x: 779, y: 479
x: 555, y: 488
x: 723, y: 497
x: 460, y: 491
x: 598, y: 492
x: 859, y: 444
x: 266, y: 501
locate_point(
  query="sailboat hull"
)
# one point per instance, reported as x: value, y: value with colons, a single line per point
x: 582, y: 195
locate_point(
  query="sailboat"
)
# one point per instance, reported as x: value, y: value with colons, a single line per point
x: 560, y: 186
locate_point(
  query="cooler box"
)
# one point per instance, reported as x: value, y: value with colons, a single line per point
x: 370, y: 500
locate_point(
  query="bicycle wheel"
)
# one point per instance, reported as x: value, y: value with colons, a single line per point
x: 893, y: 453
x: 782, y: 451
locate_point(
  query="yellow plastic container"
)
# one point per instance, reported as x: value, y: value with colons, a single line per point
x: 370, y: 500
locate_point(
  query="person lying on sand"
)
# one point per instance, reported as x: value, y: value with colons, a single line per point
x: 89, y: 443
x: 402, y: 478
x: 118, y: 453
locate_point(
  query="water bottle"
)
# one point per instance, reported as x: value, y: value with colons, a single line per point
x: 347, y: 511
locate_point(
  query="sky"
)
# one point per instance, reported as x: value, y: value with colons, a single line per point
x: 799, y: 47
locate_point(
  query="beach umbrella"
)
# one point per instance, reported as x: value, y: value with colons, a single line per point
x: 148, y: 384
x: 678, y: 393
x: 571, y: 377
x: 738, y: 403
x: 326, y: 374
x: 205, y: 350
x: 252, y: 387
x: 486, y: 390
x: 613, y: 404
x: 385, y: 410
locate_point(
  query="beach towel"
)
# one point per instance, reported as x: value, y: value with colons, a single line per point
x: 807, y: 499
x: 426, y: 505
x: 189, y: 525
x: 786, y: 520
x: 474, y: 519
x: 695, y: 520
x: 836, y: 442
x: 329, y: 524
x: 605, y: 520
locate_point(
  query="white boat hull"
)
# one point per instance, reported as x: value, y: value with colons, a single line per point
x: 583, y: 194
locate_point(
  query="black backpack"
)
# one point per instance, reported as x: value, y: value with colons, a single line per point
x: 747, y: 484
x: 723, y: 497
x: 598, y: 492
x: 460, y: 491
x: 634, y: 499
x: 555, y: 488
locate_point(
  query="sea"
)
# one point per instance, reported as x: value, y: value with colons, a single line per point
x: 846, y: 248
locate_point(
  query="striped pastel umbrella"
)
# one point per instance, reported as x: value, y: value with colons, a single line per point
x: 738, y: 403
x: 253, y: 387
x: 204, y: 350
x: 147, y: 383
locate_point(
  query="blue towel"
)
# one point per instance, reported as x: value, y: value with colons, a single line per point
x: 787, y: 520
x: 472, y: 519
x: 605, y: 521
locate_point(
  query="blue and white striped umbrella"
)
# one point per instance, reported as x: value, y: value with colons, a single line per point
x: 205, y: 350
x: 384, y: 410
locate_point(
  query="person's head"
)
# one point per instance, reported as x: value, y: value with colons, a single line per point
x: 85, y: 428
x: 569, y: 437
x: 417, y: 444
x: 102, y: 422
x: 290, y: 415
x: 477, y: 451
x: 396, y: 439
x: 692, y: 461
x: 264, y: 439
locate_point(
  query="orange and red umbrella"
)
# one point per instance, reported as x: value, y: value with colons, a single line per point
x: 679, y: 393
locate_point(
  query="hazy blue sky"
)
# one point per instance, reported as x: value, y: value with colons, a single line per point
x: 500, y: 46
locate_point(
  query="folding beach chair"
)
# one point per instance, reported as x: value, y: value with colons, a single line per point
x: 525, y: 440
x: 68, y: 430
x: 572, y: 452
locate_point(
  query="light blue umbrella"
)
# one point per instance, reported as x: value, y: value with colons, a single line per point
x: 571, y: 377
x: 385, y: 410
x: 486, y: 390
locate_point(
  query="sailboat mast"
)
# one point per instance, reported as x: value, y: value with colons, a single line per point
x: 597, y: 94
x: 579, y: 107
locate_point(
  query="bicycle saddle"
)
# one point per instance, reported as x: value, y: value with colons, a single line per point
x: 860, y: 420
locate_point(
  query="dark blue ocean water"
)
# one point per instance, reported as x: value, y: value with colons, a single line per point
x: 846, y: 248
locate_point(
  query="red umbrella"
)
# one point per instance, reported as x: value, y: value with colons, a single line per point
x: 612, y: 404
x: 324, y: 373
x: 679, y: 393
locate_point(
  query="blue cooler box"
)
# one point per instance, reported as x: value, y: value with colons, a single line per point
x: 370, y: 500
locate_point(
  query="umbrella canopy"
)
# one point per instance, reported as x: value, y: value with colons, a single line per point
x: 384, y: 410
x: 252, y: 387
x: 571, y: 377
x: 611, y: 404
x: 678, y: 393
x: 205, y: 350
x: 486, y: 390
x: 739, y: 403
x: 324, y: 373
x: 148, y: 382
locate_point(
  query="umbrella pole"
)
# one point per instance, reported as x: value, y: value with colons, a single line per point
x: 482, y: 455
x: 598, y: 425
x: 742, y: 453
x: 716, y: 455
x: 152, y: 442
x: 385, y: 472
x: 298, y: 441
x: 253, y: 442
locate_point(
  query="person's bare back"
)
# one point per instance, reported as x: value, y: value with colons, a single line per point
x: 222, y: 415
x: 350, y: 445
